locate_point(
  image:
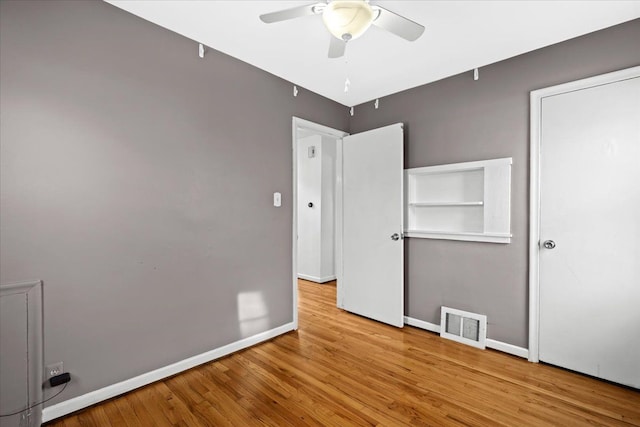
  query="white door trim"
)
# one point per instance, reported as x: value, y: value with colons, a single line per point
x: 298, y: 123
x: 534, y: 189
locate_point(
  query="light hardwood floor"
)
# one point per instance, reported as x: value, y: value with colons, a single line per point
x: 339, y: 369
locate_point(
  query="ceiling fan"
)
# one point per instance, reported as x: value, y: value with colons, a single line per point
x: 349, y: 19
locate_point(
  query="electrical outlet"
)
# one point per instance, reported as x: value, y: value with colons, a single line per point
x: 54, y: 369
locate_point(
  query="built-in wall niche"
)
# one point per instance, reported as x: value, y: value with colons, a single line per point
x: 461, y: 201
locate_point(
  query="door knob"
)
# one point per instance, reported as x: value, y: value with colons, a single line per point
x: 310, y: 205
x: 395, y: 236
x: 549, y: 244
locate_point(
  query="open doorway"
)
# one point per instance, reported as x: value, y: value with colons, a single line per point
x: 368, y: 209
x: 316, y: 206
x: 317, y: 167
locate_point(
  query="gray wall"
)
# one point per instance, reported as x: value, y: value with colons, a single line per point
x: 137, y: 181
x: 457, y: 120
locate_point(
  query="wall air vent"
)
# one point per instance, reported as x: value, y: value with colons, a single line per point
x: 464, y: 327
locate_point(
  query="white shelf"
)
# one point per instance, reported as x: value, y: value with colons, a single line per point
x: 471, y: 237
x: 436, y: 204
x: 463, y: 201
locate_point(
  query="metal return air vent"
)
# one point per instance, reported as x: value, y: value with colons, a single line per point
x: 463, y: 327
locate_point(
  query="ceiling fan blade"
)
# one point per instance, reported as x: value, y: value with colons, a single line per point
x: 336, y: 47
x: 286, y: 14
x: 398, y: 25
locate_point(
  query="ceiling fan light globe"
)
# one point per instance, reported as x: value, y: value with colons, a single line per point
x: 347, y: 17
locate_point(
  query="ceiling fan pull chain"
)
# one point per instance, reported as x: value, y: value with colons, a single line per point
x: 347, y: 82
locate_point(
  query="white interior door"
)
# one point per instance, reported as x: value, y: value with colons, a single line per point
x: 590, y: 211
x: 372, y: 283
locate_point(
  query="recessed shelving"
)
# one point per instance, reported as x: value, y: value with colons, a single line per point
x: 462, y: 201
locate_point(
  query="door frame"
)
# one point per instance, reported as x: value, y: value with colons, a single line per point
x: 536, y: 98
x: 298, y: 123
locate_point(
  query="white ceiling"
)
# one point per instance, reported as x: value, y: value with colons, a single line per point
x: 459, y: 36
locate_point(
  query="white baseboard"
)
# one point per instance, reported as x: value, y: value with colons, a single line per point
x: 316, y: 279
x: 96, y: 396
x: 496, y: 345
x: 422, y: 324
x: 508, y: 348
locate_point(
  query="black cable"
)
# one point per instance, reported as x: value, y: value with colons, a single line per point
x: 35, y: 404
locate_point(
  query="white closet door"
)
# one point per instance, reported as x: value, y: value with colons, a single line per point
x: 372, y: 282
x: 590, y: 223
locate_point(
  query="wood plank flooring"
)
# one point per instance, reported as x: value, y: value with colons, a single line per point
x: 339, y: 369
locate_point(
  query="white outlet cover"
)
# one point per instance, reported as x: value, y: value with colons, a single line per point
x: 54, y: 369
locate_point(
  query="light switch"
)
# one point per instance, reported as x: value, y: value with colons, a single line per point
x: 277, y: 199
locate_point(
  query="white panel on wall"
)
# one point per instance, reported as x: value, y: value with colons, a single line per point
x: 21, y: 362
x: 309, y: 205
x: 316, y: 208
